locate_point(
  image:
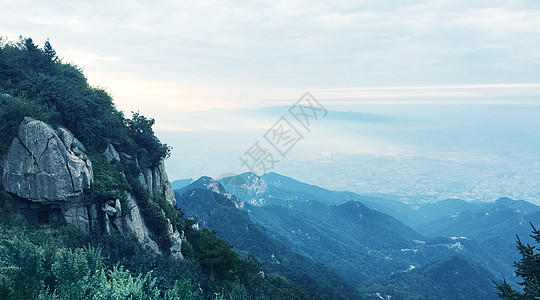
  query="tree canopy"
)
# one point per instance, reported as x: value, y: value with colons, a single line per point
x: 38, y: 83
x: 527, y: 268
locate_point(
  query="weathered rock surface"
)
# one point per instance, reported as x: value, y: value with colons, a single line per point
x: 177, y: 239
x: 155, y: 180
x: 43, y: 167
x: 134, y: 224
x: 111, y: 154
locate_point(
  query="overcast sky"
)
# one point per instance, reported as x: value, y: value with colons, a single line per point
x: 193, y: 55
x: 183, y: 62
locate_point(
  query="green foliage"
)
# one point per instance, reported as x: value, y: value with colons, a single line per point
x: 140, y: 130
x: 109, y: 182
x: 21, y: 267
x: 36, y: 264
x: 12, y: 112
x: 118, y: 283
x: 214, y: 254
x: 55, y: 91
x: 182, y: 290
x: 527, y: 268
x: 73, y: 267
x: 174, y: 214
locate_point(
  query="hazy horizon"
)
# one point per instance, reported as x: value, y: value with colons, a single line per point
x: 459, y: 78
x: 419, y: 153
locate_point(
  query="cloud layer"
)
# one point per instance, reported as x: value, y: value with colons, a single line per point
x: 223, y: 49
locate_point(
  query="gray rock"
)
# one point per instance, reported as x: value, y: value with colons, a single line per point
x: 135, y: 226
x: 155, y: 180
x: 176, y: 238
x: 148, y: 180
x: 77, y: 214
x: 111, y: 154
x: 109, y: 210
x: 126, y: 156
x: 49, y: 168
x: 144, y: 160
x: 118, y: 207
x: 42, y: 167
x: 71, y: 142
x: 142, y: 180
x: 93, y: 212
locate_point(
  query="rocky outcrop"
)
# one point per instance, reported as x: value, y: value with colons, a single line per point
x: 111, y: 154
x: 134, y: 225
x: 49, y: 170
x: 177, y: 239
x: 46, y: 165
x: 155, y: 180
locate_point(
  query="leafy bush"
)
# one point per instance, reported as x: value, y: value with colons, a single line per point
x: 12, y: 112
x: 55, y: 91
x: 140, y: 130
x: 109, y: 181
x: 214, y: 254
x: 36, y: 264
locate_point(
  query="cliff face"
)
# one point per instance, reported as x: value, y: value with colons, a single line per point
x: 49, y: 171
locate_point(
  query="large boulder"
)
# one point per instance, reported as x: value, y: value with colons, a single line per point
x: 46, y: 165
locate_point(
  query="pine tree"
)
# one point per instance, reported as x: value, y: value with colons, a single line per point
x: 49, y: 52
x: 528, y: 268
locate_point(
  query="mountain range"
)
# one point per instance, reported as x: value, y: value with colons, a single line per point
x: 371, y: 249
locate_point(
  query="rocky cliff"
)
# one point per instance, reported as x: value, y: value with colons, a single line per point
x: 50, y: 173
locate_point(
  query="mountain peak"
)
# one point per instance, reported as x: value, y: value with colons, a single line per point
x: 210, y: 184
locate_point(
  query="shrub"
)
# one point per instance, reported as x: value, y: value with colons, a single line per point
x: 12, y: 112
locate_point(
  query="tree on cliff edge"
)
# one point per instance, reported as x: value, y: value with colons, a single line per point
x: 528, y: 268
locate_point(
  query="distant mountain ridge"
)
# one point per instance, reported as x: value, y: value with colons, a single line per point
x: 358, y: 242
x: 276, y: 189
x: 214, y: 208
x: 358, y: 236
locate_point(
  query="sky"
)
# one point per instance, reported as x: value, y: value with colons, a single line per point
x: 194, y: 55
x: 174, y: 60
